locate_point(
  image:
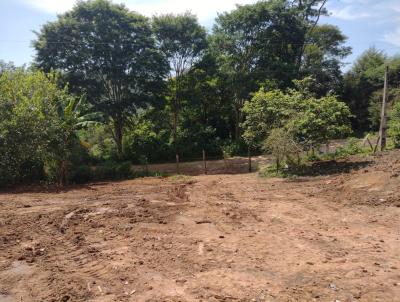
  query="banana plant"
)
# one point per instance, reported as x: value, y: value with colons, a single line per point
x: 74, y: 114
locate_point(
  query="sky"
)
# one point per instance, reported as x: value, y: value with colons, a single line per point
x: 366, y: 23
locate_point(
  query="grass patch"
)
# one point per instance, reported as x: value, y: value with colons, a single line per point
x: 179, y: 178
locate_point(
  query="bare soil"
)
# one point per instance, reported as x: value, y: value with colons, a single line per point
x: 238, y: 237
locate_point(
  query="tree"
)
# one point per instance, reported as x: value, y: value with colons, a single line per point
x: 375, y: 99
x: 6, y: 66
x: 360, y: 82
x: 183, y: 41
x: 324, y: 119
x: 251, y: 42
x: 73, y: 115
x: 281, y: 144
x: 107, y: 53
x: 322, y: 58
x: 311, y: 121
x: 29, y: 124
x: 263, y: 43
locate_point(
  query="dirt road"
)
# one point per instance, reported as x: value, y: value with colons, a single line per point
x: 207, y: 238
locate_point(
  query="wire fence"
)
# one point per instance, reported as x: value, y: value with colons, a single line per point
x: 228, y: 164
x: 206, y: 165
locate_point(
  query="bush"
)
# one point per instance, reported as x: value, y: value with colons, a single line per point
x: 312, y: 121
x: 81, y: 174
x: 112, y: 171
x: 352, y: 147
x: 106, y: 171
x: 282, y: 146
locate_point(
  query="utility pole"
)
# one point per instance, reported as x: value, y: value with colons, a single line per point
x: 383, y: 126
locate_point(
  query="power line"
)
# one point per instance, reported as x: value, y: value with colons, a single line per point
x: 127, y: 43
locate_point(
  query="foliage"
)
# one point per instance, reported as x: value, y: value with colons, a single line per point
x: 322, y: 58
x: 107, y: 53
x: 181, y: 38
x: 363, y: 86
x: 148, y: 138
x: 282, y: 145
x: 66, y: 146
x: 267, y: 75
x: 31, y: 129
x: 183, y: 41
x: 271, y: 43
x: 375, y: 105
x: 394, y: 124
x: 311, y: 121
x: 352, y: 147
x: 108, y: 170
x: 6, y: 66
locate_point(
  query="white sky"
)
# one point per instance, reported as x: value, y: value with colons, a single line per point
x: 366, y: 22
x: 204, y: 9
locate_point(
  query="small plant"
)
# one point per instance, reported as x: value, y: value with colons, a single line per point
x: 283, y: 147
x: 270, y: 171
x: 180, y: 178
x: 352, y: 147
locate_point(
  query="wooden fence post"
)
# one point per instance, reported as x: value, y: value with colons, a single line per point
x: 249, y: 156
x: 204, y: 162
x: 382, y: 128
x: 225, y: 163
x: 177, y: 164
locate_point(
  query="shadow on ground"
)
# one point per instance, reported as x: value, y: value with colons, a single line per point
x: 331, y: 167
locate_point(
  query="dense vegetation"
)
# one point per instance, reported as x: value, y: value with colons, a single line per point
x: 109, y: 87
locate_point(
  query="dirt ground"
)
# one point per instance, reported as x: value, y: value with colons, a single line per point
x: 208, y: 238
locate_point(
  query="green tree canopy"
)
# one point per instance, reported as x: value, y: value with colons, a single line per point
x: 271, y: 43
x: 322, y: 58
x: 108, y: 53
x: 31, y: 130
x: 311, y: 121
x: 360, y: 82
x: 183, y: 41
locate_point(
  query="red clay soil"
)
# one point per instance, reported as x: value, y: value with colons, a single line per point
x: 207, y: 238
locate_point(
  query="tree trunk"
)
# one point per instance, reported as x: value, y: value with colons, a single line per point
x: 118, y: 132
x: 63, y: 173
x: 238, y: 119
x: 175, y: 131
x: 277, y: 164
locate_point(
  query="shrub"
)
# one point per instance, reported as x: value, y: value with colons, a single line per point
x: 232, y: 148
x: 28, y: 123
x: 112, y: 171
x: 312, y: 121
x: 282, y: 146
x: 81, y: 174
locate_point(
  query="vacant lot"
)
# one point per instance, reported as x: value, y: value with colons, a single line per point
x: 208, y: 238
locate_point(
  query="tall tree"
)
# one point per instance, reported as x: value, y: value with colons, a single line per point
x: 183, y: 41
x: 263, y: 44
x: 360, y: 82
x: 108, y: 53
x: 6, y: 66
x: 322, y: 58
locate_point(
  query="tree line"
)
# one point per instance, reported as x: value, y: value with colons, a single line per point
x: 110, y: 85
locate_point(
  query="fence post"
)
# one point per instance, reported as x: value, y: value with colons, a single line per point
x: 225, y: 163
x: 382, y: 128
x: 249, y: 156
x: 177, y: 164
x: 204, y: 162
